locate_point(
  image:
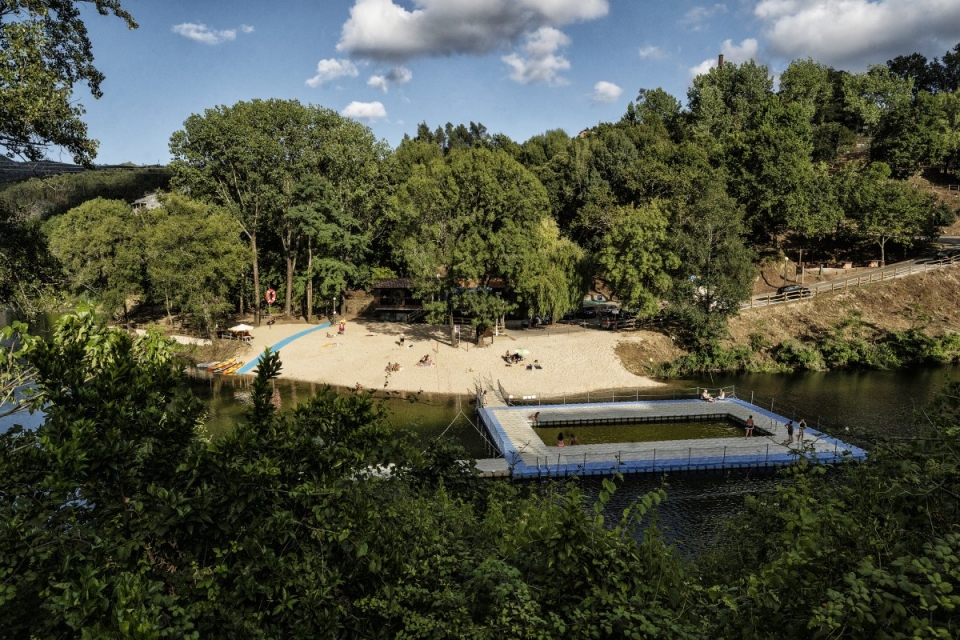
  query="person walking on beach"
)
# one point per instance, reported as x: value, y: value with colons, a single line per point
x: 790, y: 432
x: 749, y: 428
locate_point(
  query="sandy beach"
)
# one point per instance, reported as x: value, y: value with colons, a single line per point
x: 571, y: 359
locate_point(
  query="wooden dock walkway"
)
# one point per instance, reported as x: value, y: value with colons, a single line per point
x: 526, y: 455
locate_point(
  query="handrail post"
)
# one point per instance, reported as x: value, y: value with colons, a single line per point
x: 766, y: 460
x: 723, y: 461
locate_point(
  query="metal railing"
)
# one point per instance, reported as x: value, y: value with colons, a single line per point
x: 688, y: 458
x: 875, y: 275
x: 615, y: 395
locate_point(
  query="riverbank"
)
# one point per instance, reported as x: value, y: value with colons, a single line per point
x: 561, y: 359
x: 900, y: 323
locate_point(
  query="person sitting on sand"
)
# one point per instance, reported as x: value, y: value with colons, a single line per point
x: 425, y: 361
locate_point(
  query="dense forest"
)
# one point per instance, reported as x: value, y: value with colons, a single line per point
x: 669, y: 208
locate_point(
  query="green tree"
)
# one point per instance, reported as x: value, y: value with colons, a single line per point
x: 635, y: 260
x: 552, y: 277
x: 100, y: 247
x: 716, y: 265
x: 883, y: 209
x: 248, y: 158
x: 770, y: 167
x: 870, y: 95
x: 45, y: 54
x: 724, y: 100
x: 924, y: 133
x: 194, y: 255
x: 466, y: 221
x: 87, y: 495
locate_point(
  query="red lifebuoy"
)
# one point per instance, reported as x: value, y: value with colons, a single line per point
x: 271, y: 296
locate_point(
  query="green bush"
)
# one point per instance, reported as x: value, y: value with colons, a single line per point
x: 794, y: 355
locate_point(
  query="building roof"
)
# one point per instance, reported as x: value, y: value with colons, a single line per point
x: 393, y: 283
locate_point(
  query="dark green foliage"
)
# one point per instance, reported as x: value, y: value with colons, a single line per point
x: 795, y: 356
x: 45, y: 57
x: 711, y: 357
x: 119, y: 521
x: 872, y: 552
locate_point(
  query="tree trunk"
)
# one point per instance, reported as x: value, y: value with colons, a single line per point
x: 309, y: 281
x: 256, y: 280
x: 288, y: 297
x: 291, y: 261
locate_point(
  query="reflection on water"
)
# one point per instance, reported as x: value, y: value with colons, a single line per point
x: 428, y: 416
x: 884, y: 403
x: 646, y: 432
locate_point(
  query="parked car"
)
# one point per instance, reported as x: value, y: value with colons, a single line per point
x: 946, y: 255
x: 587, y: 312
x: 793, y: 291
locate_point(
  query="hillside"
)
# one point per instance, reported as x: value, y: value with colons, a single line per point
x: 929, y: 300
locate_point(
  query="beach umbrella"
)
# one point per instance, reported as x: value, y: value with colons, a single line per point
x: 523, y: 352
x: 241, y: 327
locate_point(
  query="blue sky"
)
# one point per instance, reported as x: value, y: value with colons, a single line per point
x: 520, y: 67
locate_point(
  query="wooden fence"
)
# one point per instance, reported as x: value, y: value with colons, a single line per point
x: 877, y: 275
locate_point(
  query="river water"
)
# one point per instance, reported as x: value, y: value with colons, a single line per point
x: 852, y: 405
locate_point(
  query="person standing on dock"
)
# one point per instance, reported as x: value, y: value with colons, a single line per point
x: 801, y: 427
x: 749, y: 427
x: 790, y: 432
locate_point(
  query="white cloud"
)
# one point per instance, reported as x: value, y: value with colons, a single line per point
x: 853, y: 33
x: 541, y: 64
x: 203, y: 33
x: 651, y: 52
x: 605, y: 91
x: 330, y: 69
x: 385, y: 30
x: 738, y: 53
x: 246, y: 28
x: 696, y: 19
x: 364, y: 111
x: 396, y: 76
